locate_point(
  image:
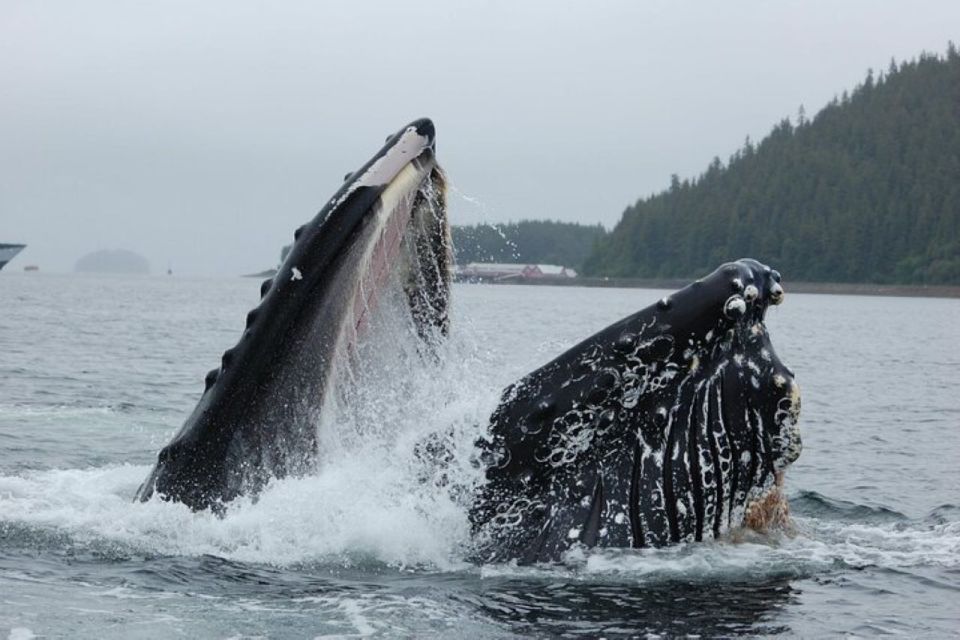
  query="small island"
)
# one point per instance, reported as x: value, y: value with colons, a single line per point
x: 113, y: 261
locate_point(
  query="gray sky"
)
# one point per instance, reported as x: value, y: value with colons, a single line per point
x: 202, y: 133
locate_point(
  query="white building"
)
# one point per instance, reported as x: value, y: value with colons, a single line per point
x: 508, y: 271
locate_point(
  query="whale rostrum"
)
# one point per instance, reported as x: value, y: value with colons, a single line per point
x: 674, y: 424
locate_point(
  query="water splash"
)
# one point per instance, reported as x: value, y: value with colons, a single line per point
x: 393, y: 487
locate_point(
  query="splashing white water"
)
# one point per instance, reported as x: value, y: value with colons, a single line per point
x: 393, y: 487
x: 370, y: 510
x: 379, y: 494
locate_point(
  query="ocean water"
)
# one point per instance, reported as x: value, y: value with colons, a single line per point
x: 97, y: 373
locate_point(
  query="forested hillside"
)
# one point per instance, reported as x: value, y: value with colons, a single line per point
x: 529, y: 241
x: 867, y: 190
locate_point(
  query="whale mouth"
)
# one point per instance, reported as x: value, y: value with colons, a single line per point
x: 262, y: 411
x: 673, y: 425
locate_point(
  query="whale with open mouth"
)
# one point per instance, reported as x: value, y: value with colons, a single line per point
x: 258, y: 416
x: 673, y: 424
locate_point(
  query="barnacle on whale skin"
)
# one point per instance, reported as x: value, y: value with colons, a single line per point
x: 770, y: 511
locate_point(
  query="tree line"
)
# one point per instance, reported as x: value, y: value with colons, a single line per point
x: 868, y: 190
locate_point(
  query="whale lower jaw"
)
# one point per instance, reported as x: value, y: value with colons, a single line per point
x: 260, y: 411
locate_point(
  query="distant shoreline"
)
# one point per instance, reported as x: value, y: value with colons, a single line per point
x: 835, y: 288
x: 832, y: 288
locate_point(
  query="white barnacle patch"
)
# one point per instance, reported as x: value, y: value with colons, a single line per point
x: 661, y: 381
x: 620, y: 518
x: 750, y: 293
x: 511, y: 514
x: 765, y: 354
x: 738, y: 359
x: 634, y: 383
x: 574, y: 533
x: 656, y: 496
x: 779, y: 380
x: 709, y: 336
x: 738, y: 284
x: 694, y: 364
x: 776, y: 293
x: 295, y: 275
x: 734, y: 307
x: 662, y: 412
x: 571, y: 436
x: 757, y: 329
x: 788, y: 409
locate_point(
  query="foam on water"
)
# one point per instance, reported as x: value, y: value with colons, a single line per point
x: 376, y: 495
x: 340, y: 512
x: 818, y: 546
x: 362, y: 511
x: 373, y: 498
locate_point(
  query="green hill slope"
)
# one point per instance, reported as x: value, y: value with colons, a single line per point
x: 868, y: 190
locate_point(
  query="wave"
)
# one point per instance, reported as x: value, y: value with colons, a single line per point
x: 380, y: 515
x: 817, y: 505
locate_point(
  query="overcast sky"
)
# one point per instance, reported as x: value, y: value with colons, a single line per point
x: 201, y: 134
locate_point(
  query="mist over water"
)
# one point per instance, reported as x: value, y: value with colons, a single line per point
x: 96, y: 374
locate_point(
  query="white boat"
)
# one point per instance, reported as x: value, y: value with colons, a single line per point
x: 8, y: 251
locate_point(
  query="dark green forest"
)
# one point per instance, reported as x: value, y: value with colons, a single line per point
x: 868, y: 190
x: 527, y: 241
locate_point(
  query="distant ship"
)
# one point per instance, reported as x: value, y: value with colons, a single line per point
x: 8, y: 251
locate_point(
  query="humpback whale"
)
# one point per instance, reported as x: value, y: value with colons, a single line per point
x: 674, y: 424
x: 257, y: 417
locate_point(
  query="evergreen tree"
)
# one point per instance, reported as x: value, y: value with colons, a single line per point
x: 866, y: 190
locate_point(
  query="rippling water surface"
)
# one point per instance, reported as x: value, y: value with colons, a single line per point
x: 96, y: 374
